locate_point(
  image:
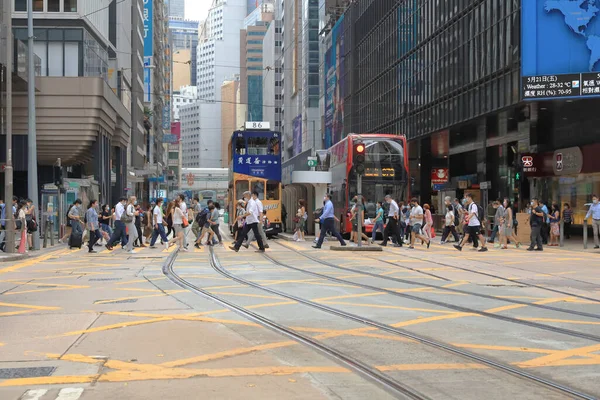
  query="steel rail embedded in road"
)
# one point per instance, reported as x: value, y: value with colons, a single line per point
x: 388, y: 328
x: 428, y: 285
x: 397, y: 389
x: 490, y: 275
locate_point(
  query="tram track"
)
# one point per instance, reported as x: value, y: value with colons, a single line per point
x: 426, y: 285
x: 397, y: 389
x: 574, y: 393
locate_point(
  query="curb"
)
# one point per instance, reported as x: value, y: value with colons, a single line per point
x: 18, y: 257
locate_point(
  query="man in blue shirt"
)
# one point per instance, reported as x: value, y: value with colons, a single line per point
x: 328, y: 223
x: 545, y: 222
x: 594, y: 212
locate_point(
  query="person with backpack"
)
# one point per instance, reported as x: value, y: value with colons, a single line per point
x: 197, y: 209
x: 474, y: 226
x: 93, y: 226
x: 128, y: 218
x: 203, y: 222
x: 158, y: 225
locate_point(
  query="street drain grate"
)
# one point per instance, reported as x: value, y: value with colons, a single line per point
x: 33, y: 372
x: 117, y: 301
x: 104, y: 279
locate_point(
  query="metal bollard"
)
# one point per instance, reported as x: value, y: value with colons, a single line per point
x: 562, y: 233
x: 585, y: 234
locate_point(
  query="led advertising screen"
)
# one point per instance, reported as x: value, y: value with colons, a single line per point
x: 560, y: 49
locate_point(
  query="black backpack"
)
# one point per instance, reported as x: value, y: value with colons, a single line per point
x: 202, y: 217
x: 480, y: 213
x: 67, y: 216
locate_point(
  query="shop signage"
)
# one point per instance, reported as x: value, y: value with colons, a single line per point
x: 567, y: 161
x: 485, y: 185
x: 439, y: 176
x: 463, y: 184
x: 528, y: 164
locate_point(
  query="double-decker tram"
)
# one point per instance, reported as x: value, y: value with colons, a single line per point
x: 255, y: 165
x: 386, y: 172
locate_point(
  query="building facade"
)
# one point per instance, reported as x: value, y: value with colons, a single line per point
x: 186, y: 95
x: 177, y: 8
x: 251, y: 60
x: 228, y: 116
x: 272, y: 75
x: 184, y: 36
x: 81, y: 118
x: 219, y: 42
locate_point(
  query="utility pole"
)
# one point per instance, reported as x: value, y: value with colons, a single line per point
x: 32, y: 168
x: 8, y: 171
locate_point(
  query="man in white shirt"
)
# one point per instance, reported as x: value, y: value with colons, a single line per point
x: 119, y: 232
x: 474, y: 226
x: 416, y: 224
x: 252, y: 220
x: 157, y: 223
x: 260, y: 227
x: 186, y: 231
x: 391, y: 229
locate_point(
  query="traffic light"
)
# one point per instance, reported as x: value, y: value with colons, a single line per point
x: 518, y: 176
x: 359, y: 157
x: 58, y: 176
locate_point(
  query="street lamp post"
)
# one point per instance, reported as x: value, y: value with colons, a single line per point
x: 32, y: 178
x: 8, y: 169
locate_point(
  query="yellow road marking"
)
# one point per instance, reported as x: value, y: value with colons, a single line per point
x: 390, y: 307
x: 28, y: 306
x: 31, y: 262
x: 559, y: 356
x: 566, y: 321
x: 129, y: 298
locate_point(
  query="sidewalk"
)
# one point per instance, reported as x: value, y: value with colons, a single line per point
x: 10, y: 257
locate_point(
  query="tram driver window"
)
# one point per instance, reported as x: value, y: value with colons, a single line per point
x: 272, y: 190
x: 258, y: 146
x: 240, y: 188
x: 240, y: 146
x: 259, y: 186
x: 274, y: 146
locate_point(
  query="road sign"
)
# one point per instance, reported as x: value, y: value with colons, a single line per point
x: 312, y: 161
x: 485, y: 185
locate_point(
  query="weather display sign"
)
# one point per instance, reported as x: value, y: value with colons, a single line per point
x: 560, y: 47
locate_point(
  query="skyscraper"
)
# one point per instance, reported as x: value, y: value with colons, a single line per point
x: 177, y: 8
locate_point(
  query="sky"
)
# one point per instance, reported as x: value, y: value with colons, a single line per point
x: 197, y: 9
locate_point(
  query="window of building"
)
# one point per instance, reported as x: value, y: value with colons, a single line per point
x: 20, y: 5
x: 38, y: 5
x: 53, y: 5
x: 70, y: 5
x: 259, y: 186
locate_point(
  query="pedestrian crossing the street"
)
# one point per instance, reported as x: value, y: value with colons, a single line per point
x: 53, y: 394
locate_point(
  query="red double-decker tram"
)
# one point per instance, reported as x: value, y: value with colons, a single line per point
x: 386, y: 172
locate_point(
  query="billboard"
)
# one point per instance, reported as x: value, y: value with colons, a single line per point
x: 297, y: 134
x: 175, y: 136
x: 334, y: 87
x: 560, y: 49
x: 147, y: 86
x: 148, y: 31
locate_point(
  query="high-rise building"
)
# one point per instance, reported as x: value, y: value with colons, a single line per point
x: 253, y: 5
x: 84, y: 106
x: 184, y: 36
x: 290, y: 13
x: 311, y: 114
x: 228, y: 116
x: 219, y: 39
x: 272, y: 75
x: 251, y: 59
x: 177, y: 8
x: 186, y: 95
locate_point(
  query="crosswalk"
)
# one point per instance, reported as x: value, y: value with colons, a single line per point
x: 52, y: 394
